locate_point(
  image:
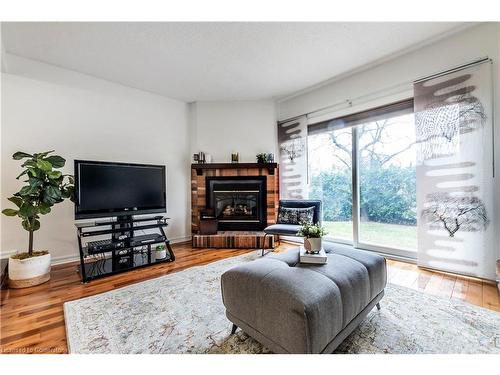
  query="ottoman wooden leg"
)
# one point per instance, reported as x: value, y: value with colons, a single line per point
x: 233, y: 330
x: 378, y: 305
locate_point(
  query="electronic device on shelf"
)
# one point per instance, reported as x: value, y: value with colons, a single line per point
x: 146, y: 239
x: 101, y: 246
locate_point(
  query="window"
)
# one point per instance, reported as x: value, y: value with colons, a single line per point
x: 362, y: 167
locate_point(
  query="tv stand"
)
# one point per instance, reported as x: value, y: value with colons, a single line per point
x: 130, y: 251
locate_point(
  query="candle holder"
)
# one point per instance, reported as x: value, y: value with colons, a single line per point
x: 235, y: 157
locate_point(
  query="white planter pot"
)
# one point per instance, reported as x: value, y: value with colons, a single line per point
x: 28, y: 272
x: 160, y: 254
x: 313, y: 245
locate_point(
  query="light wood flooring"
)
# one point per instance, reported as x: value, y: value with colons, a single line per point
x: 32, y: 319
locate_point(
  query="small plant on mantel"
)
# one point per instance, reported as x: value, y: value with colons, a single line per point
x: 261, y: 158
x: 45, y: 186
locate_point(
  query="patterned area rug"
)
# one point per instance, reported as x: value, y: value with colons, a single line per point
x: 183, y: 313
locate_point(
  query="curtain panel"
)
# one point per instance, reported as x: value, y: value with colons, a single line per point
x: 454, y: 134
x: 292, y: 141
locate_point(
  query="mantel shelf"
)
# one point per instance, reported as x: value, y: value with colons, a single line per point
x: 199, y: 167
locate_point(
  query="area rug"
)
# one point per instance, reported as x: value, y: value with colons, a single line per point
x: 183, y: 313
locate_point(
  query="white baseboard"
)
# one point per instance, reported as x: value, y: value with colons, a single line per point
x: 76, y: 257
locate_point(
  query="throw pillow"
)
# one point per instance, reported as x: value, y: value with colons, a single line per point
x: 296, y: 216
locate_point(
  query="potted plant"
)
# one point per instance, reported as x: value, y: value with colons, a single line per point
x: 45, y: 186
x: 160, y: 252
x: 261, y: 158
x: 312, y: 234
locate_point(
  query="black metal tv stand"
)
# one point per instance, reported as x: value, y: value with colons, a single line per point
x: 130, y: 251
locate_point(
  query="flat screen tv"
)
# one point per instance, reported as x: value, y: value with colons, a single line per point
x: 105, y: 189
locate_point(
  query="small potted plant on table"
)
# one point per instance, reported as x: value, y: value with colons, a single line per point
x: 160, y: 252
x: 45, y: 186
x: 313, y: 237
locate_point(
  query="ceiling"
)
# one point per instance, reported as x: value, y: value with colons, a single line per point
x: 207, y: 61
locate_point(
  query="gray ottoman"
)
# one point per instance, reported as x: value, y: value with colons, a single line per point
x: 296, y: 308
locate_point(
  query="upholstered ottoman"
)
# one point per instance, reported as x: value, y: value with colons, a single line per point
x: 297, y: 308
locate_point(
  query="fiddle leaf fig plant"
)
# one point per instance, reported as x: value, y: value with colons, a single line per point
x: 45, y: 186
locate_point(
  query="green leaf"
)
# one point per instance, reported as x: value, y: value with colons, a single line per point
x: 53, y: 192
x: 44, y: 165
x: 25, y: 191
x: 27, y: 210
x: 41, y: 155
x: 56, y: 161
x: 36, y: 225
x: 26, y: 225
x: 52, y: 195
x: 53, y: 175
x: 21, y: 155
x: 35, y: 182
x: 44, y: 208
x: 30, y: 163
x: 49, y: 200
x: 16, y: 200
x: 68, y: 192
x: 10, y: 212
x: 31, y: 225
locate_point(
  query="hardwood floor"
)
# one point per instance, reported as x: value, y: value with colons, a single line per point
x: 32, y: 319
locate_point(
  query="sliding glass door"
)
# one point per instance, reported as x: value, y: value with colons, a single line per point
x: 362, y: 167
x: 330, y: 179
x: 387, y: 183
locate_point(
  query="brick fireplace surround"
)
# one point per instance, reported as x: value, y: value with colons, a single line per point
x: 232, y: 239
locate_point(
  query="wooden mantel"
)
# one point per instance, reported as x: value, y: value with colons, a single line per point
x: 199, y: 167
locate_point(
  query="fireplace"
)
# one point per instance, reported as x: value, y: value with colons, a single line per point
x: 239, y: 203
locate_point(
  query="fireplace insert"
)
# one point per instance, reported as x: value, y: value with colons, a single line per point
x: 239, y: 202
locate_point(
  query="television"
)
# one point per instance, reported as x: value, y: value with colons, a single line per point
x: 106, y: 189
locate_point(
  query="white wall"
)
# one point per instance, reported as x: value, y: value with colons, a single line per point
x: 394, y: 77
x: 44, y: 108
x: 247, y: 127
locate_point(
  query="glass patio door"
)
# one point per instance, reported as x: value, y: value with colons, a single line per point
x: 386, y: 169
x: 363, y: 168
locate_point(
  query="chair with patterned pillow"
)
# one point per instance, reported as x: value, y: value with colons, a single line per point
x: 291, y: 215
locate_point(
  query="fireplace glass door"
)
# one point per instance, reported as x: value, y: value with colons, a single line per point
x: 239, y: 202
x: 236, y: 205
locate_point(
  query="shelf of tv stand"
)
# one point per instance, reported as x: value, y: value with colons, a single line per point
x: 105, y: 263
x: 105, y: 268
x: 118, y: 230
x: 87, y: 254
x: 90, y: 224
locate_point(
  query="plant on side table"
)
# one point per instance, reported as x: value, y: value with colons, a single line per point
x: 313, y: 237
x: 45, y: 186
